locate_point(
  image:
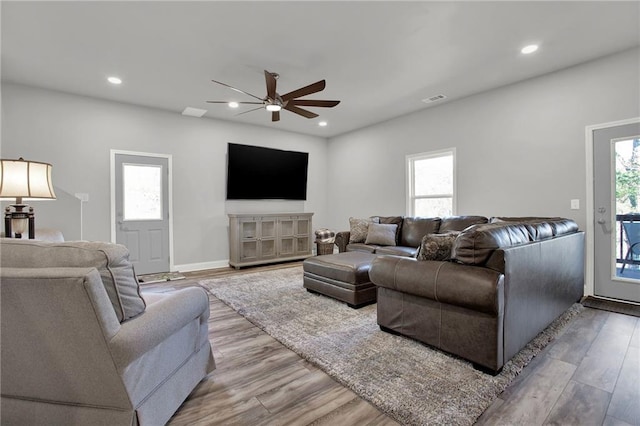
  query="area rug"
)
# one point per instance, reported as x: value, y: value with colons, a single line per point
x: 409, y: 381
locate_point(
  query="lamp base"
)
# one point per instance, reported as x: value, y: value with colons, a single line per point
x: 19, y: 220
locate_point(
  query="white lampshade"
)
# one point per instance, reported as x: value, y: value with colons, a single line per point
x: 25, y: 179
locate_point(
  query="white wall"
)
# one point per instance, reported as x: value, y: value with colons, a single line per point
x: 520, y: 148
x: 76, y: 134
x: 520, y: 151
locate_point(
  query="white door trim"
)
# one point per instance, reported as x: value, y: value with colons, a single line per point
x: 169, y: 158
x: 590, y: 248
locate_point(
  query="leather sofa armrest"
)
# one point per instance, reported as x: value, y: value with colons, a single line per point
x: 159, y: 321
x: 342, y: 240
x: 472, y: 287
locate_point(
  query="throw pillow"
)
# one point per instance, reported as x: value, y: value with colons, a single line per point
x: 436, y: 246
x: 382, y: 234
x: 358, y: 229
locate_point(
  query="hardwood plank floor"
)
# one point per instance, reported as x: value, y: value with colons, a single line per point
x: 589, y: 375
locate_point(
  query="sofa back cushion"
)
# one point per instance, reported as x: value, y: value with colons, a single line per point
x: 111, y: 261
x: 414, y: 228
x: 475, y: 245
x: 557, y: 225
x: 459, y: 223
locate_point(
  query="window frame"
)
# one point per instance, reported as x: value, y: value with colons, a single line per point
x: 410, y: 179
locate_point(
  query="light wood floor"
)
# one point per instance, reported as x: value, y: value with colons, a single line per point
x: 590, y: 375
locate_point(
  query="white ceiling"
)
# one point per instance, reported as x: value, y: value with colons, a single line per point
x: 379, y: 58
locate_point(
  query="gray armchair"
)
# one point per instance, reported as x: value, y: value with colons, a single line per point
x: 67, y: 357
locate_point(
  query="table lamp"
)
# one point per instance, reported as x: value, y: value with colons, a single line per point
x: 23, y: 179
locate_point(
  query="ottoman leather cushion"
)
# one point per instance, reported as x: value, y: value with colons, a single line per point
x: 342, y: 276
x: 351, y: 267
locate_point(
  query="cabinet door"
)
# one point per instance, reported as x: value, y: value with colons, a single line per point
x: 249, y: 231
x: 267, y: 239
x: 303, y: 227
x: 303, y: 232
x: 286, y: 236
x: 302, y: 245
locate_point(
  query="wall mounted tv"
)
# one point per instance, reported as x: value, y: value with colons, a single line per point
x: 257, y: 173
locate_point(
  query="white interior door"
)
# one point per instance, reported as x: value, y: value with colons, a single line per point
x: 616, y: 184
x: 141, y: 213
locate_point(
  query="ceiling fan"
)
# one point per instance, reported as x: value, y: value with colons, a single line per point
x: 274, y: 102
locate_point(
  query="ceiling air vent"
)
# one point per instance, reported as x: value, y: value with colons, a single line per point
x: 434, y: 99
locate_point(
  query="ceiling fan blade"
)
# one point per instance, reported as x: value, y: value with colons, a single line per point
x: 241, y: 103
x: 314, y: 103
x: 244, y: 112
x: 318, y: 86
x: 271, y: 84
x: 275, y: 116
x: 300, y: 111
x: 237, y: 90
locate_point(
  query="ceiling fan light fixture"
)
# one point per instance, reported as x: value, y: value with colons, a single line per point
x: 273, y: 107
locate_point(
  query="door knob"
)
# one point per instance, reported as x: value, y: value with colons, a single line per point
x: 601, y: 221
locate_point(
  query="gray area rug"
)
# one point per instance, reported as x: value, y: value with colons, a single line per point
x: 409, y: 381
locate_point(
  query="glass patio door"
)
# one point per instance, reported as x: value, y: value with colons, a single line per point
x: 616, y: 165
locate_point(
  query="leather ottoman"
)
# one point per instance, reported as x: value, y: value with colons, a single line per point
x: 343, y: 276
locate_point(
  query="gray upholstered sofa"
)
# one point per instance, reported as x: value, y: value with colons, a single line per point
x: 504, y: 283
x: 81, y: 345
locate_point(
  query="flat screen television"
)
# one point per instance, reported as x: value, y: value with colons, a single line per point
x: 257, y: 173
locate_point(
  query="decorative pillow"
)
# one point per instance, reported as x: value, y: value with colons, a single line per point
x: 436, y: 246
x: 382, y: 234
x: 358, y: 229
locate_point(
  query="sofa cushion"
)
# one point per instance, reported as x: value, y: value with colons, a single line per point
x: 436, y: 246
x: 362, y: 247
x: 414, y: 228
x: 358, y: 229
x: 382, y: 234
x: 397, y: 251
x: 476, y: 244
x: 111, y: 261
x: 459, y: 223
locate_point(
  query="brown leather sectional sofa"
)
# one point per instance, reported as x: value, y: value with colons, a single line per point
x: 505, y: 282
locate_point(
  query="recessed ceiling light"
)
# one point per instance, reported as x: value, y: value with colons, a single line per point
x: 322, y: 124
x: 529, y: 49
x: 233, y: 105
x: 114, y: 80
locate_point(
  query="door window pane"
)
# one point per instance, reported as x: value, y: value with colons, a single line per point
x: 627, y: 210
x: 142, y: 192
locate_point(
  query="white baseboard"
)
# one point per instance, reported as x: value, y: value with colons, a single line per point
x: 190, y: 267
